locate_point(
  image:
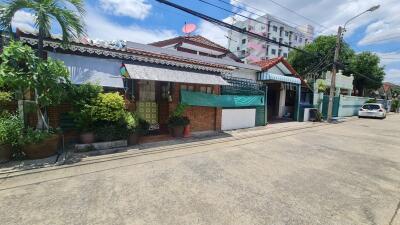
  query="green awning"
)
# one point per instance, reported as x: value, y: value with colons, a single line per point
x: 228, y: 101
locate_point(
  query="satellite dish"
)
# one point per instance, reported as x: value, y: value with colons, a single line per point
x: 188, y: 28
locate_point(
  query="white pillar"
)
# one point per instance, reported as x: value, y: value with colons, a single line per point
x: 282, y: 100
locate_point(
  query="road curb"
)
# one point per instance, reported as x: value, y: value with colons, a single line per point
x: 138, y: 152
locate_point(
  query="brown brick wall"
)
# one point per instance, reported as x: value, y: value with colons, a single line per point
x: 201, y: 118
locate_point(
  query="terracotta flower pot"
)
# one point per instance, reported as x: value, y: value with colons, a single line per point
x: 177, y: 131
x: 87, y: 138
x: 133, y: 139
x: 43, y: 149
x: 5, y: 153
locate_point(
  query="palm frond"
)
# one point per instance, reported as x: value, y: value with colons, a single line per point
x: 10, y: 9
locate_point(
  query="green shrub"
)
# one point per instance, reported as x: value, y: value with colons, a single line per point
x: 371, y: 100
x: 85, y: 94
x: 5, y: 97
x: 177, y: 121
x: 108, y: 107
x: 111, y: 132
x: 395, y: 105
x: 33, y: 136
x: 11, y: 127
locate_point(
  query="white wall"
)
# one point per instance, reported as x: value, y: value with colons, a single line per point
x: 238, y: 118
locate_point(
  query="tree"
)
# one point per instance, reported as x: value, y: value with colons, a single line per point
x: 319, y: 56
x: 23, y: 72
x: 67, y: 13
x: 368, y: 75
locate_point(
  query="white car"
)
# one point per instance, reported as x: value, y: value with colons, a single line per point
x: 372, y: 110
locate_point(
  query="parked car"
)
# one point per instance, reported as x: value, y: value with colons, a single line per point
x: 374, y: 110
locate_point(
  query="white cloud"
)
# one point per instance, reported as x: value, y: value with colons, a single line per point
x: 213, y: 32
x: 389, y: 58
x: 393, y: 75
x: 137, y: 9
x: 100, y: 27
x: 23, y: 20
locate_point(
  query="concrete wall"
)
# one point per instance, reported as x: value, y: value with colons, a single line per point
x: 238, y: 118
x: 349, y: 105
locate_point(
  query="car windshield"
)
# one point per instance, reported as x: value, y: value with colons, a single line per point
x: 371, y: 107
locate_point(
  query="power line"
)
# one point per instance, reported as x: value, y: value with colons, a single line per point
x: 246, y: 10
x: 229, y: 26
x: 291, y: 10
x: 230, y: 11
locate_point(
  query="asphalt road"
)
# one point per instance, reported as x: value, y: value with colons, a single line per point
x: 347, y: 173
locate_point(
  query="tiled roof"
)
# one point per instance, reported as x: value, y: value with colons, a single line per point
x: 195, y: 38
x: 141, y: 52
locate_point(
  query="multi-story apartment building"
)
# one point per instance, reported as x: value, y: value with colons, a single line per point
x: 251, y: 50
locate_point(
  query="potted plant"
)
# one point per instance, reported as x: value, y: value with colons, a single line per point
x: 85, y: 126
x: 37, y: 144
x: 11, y: 127
x: 82, y: 98
x: 136, y: 127
x: 177, y: 121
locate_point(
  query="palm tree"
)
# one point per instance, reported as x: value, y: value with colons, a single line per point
x: 67, y: 13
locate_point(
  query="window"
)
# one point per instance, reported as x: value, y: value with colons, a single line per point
x: 206, y: 89
x: 286, y: 33
x: 273, y: 51
x: 238, y: 48
x: 190, y: 88
x: 279, y: 52
x: 285, y: 55
x: 209, y: 90
x: 243, y: 41
x: 275, y: 28
x: 274, y: 39
x: 300, y: 39
x: 203, y: 89
x: 295, y: 37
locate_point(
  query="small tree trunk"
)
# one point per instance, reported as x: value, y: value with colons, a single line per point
x: 40, y: 43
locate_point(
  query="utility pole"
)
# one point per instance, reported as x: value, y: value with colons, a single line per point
x: 333, y: 77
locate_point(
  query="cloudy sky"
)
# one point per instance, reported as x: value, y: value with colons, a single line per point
x: 147, y: 21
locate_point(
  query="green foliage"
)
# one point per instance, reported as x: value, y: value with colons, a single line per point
x: 111, y: 132
x: 321, y: 86
x: 21, y: 70
x: 33, y: 136
x: 371, y: 100
x: 11, y: 128
x: 179, y: 110
x: 108, y: 107
x: 177, y: 118
x: 105, y: 109
x: 68, y: 14
x: 132, y: 122
x: 18, y: 67
x: 177, y: 121
x: 368, y: 75
x: 52, y: 82
x: 5, y: 97
x: 321, y: 48
x: 85, y: 94
x: 396, y: 105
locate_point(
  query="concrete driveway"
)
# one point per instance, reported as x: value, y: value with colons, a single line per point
x: 347, y: 173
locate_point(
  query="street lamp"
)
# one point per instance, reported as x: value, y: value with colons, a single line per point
x: 336, y: 58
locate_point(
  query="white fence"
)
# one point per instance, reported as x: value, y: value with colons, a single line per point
x: 238, y: 118
x: 349, y: 105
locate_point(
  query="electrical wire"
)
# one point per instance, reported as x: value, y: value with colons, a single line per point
x: 246, y: 10
x: 291, y: 10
